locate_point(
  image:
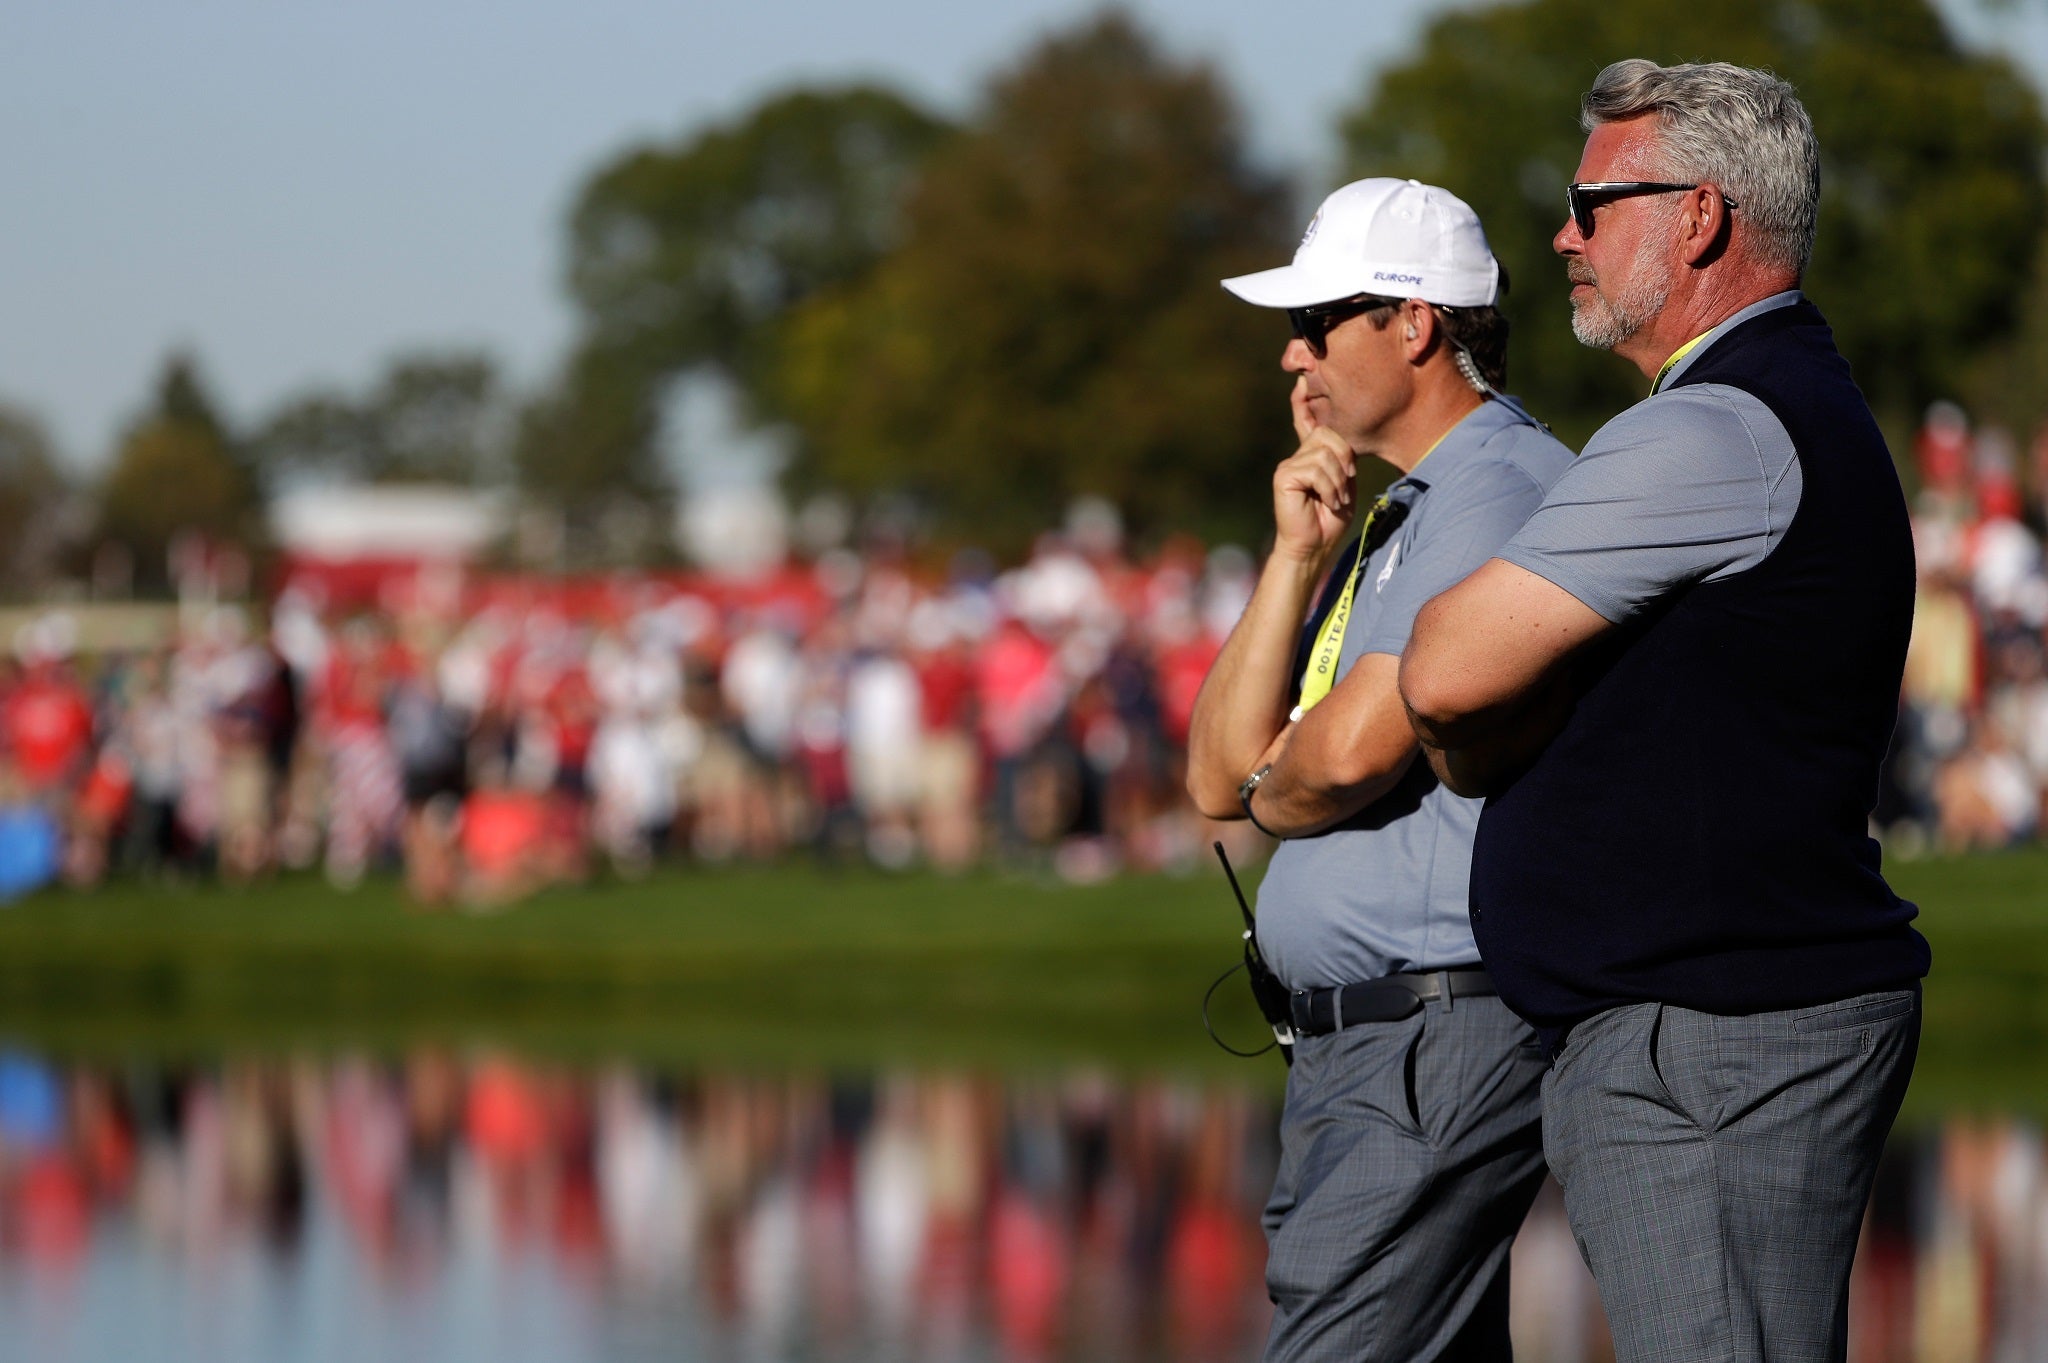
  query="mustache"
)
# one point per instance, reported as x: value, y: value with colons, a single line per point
x: 1579, y: 272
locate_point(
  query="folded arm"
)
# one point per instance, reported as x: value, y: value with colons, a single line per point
x: 1693, y: 484
x: 1341, y: 756
x: 1486, y: 677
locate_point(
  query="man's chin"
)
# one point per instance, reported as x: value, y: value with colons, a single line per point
x: 1597, y: 327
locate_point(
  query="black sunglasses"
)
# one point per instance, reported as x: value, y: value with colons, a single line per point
x: 1582, y: 199
x: 1313, y: 325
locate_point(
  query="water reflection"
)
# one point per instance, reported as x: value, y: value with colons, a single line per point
x: 483, y: 1207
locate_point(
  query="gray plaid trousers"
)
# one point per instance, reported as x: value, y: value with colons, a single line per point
x: 1409, y: 1154
x: 1715, y: 1169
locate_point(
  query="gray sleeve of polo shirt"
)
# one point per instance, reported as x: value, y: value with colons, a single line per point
x: 1461, y: 523
x: 1688, y: 486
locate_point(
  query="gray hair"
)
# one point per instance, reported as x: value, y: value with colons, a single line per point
x: 1742, y: 130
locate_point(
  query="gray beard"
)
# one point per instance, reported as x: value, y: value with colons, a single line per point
x: 1604, y: 321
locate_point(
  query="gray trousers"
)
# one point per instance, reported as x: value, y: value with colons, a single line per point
x: 1409, y: 1154
x: 1715, y: 1169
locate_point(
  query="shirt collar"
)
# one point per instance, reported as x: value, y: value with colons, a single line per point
x: 1474, y: 429
x: 1700, y: 347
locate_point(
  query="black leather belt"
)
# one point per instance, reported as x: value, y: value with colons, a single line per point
x: 1316, y: 1012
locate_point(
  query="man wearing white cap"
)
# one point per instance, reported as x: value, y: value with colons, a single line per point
x: 1409, y: 1142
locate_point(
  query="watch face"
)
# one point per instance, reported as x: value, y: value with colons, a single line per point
x: 1251, y: 783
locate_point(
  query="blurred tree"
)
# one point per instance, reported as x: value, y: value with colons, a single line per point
x: 34, y: 505
x: 692, y: 253
x: 585, y: 448
x: 438, y: 418
x: 431, y: 418
x: 2008, y: 385
x: 1931, y: 171
x: 321, y: 434
x: 1052, y: 323
x: 176, y: 470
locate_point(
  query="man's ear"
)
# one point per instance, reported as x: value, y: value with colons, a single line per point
x: 1418, y: 328
x: 1707, y: 226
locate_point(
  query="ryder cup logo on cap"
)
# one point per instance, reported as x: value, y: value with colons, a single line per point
x: 1398, y: 238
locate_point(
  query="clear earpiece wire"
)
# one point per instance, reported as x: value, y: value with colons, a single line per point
x: 1469, y: 367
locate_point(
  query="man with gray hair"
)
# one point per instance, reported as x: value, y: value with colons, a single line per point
x: 1675, y: 685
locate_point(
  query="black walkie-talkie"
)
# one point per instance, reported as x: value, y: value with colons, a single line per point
x: 1267, y: 990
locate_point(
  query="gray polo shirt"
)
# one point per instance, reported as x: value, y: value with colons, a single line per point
x: 1385, y: 891
x: 1689, y: 485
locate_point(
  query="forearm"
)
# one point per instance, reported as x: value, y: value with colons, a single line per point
x: 1488, y: 677
x: 1297, y: 801
x: 1342, y: 756
x: 1243, y: 705
x: 1479, y: 754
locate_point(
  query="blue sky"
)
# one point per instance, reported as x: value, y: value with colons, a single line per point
x: 297, y: 190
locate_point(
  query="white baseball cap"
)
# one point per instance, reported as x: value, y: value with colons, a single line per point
x: 1395, y: 238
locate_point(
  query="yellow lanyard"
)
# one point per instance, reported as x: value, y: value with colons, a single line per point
x: 1321, y: 673
x: 1676, y: 356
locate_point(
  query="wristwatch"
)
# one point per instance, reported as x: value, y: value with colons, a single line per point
x: 1244, y: 798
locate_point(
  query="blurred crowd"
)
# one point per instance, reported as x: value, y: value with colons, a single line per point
x: 499, y: 735
x: 905, y: 1217
x: 1969, y: 763
x: 493, y: 735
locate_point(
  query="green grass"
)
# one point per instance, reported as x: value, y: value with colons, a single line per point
x: 791, y: 966
x: 1984, y: 1045
x: 800, y: 967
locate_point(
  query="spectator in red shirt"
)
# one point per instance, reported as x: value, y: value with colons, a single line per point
x: 48, y: 723
x: 949, y: 762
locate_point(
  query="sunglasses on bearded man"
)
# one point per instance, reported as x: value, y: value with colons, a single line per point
x: 1583, y: 198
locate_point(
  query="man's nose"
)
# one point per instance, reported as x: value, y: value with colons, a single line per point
x: 1568, y: 242
x: 1297, y: 358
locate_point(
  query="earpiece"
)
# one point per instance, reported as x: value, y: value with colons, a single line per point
x: 1411, y: 333
x: 1469, y: 367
